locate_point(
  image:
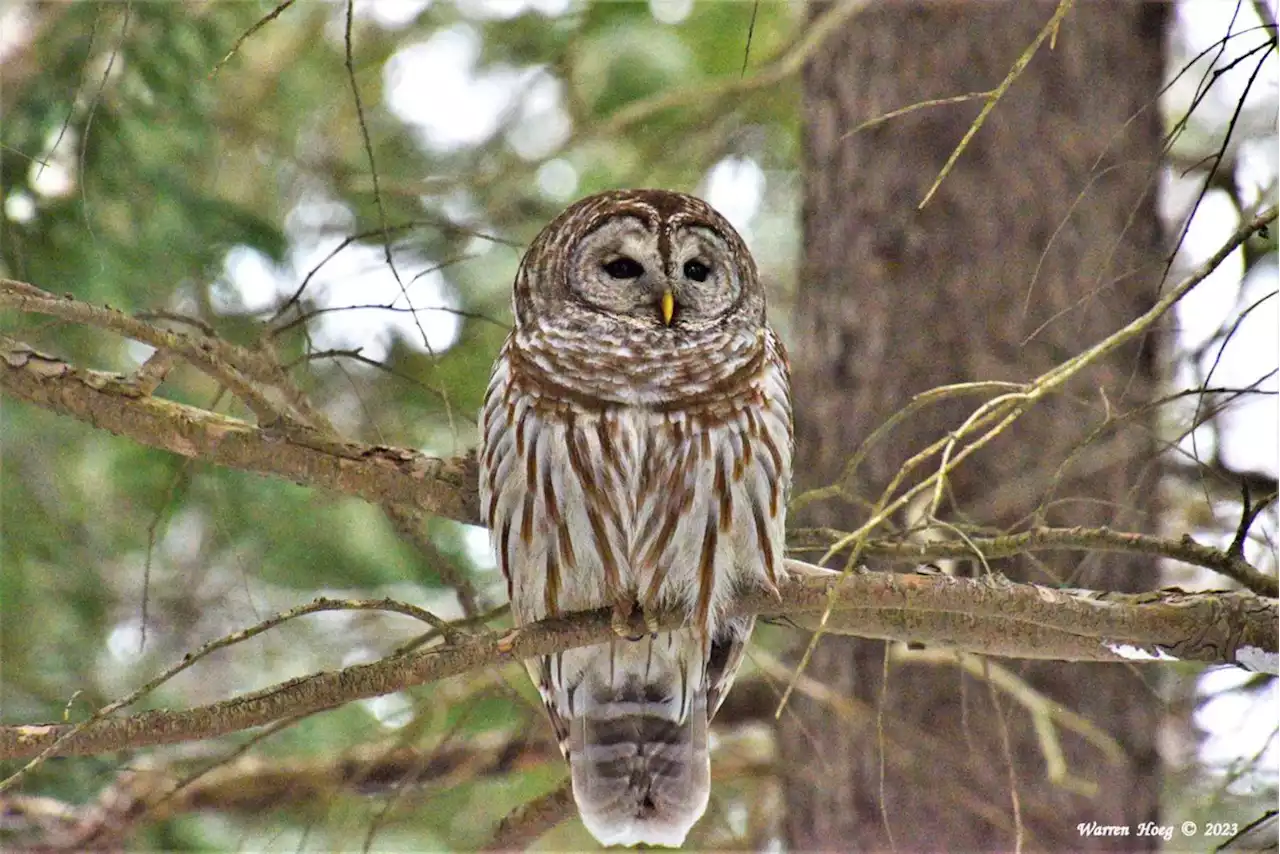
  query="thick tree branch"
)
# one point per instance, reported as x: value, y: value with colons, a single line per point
x: 120, y: 405
x: 986, y: 616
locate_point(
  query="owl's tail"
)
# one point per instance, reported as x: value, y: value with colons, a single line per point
x: 637, y: 747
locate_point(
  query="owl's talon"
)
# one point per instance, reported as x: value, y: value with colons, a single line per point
x: 507, y: 642
x: 623, y: 624
x: 771, y: 587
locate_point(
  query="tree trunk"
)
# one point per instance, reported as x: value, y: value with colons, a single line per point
x: 1048, y: 218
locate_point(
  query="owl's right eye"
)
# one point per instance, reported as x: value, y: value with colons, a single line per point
x: 624, y: 268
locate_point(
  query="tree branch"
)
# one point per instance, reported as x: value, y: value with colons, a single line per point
x: 1186, y: 550
x: 787, y: 64
x: 254, y: 377
x: 523, y: 825
x: 994, y: 617
x: 120, y: 405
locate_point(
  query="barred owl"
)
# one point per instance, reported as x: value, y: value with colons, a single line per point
x: 637, y: 453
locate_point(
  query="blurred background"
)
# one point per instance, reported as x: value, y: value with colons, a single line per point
x: 357, y: 182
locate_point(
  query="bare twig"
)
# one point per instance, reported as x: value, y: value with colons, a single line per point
x: 523, y: 825
x: 784, y: 66
x: 411, y: 524
x: 249, y: 375
x: 1249, y: 512
x: 1186, y: 550
x: 993, y: 97
x: 1007, y: 408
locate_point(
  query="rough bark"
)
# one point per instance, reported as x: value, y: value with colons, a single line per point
x: 1050, y: 210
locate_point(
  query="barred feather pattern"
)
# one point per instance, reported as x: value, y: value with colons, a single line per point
x: 627, y: 460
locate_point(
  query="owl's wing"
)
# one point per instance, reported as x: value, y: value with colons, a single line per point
x: 732, y: 635
x: 780, y: 368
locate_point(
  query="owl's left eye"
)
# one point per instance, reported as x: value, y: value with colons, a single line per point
x: 624, y: 268
x: 696, y: 270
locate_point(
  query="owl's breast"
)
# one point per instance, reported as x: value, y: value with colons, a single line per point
x: 670, y: 505
x: 696, y: 496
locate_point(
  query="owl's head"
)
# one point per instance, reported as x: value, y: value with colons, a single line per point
x: 651, y: 261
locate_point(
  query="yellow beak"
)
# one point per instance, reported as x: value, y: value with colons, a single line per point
x: 668, y: 307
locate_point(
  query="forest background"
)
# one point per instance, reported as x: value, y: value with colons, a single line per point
x: 309, y: 215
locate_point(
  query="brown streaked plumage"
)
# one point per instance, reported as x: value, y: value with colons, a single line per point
x: 637, y: 449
